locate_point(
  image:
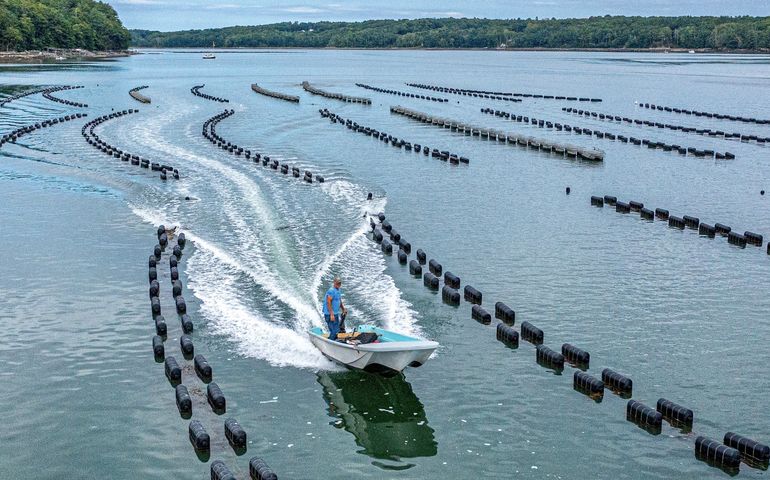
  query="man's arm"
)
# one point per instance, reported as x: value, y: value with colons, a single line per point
x: 329, y: 307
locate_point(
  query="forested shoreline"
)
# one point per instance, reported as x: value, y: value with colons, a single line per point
x: 608, y: 32
x: 27, y: 25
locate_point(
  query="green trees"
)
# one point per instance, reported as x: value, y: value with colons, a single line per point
x: 594, y: 32
x: 40, y: 24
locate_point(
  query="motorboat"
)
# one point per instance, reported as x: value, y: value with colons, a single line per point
x: 374, y: 349
x: 210, y: 56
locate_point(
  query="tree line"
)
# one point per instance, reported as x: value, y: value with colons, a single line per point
x: 613, y: 32
x: 41, y: 24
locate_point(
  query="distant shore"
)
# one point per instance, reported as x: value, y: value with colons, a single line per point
x: 40, y: 56
x: 532, y: 49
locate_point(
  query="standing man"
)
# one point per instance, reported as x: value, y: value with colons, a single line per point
x: 332, y: 307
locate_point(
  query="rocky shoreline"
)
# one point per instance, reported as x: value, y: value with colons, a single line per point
x: 57, y: 54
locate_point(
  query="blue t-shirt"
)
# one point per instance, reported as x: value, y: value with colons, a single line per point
x: 335, y: 294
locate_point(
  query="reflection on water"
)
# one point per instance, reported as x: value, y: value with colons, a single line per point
x: 383, y: 414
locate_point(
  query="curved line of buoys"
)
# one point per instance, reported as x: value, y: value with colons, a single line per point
x: 686, y: 221
x: 336, y: 96
x: 568, y: 150
x: 401, y: 94
x: 134, y: 92
x: 14, y: 135
x: 93, y: 139
x: 169, y: 240
x: 209, y: 131
x: 540, y: 123
x: 269, y: 93
x: 196, y: 90
x: 736, y: 448
x: 24, y: 94
x: 48, y: 91
x: 444, y: 155
x: 510, y: 96
x: 648, y: 123
x: 720, y: 116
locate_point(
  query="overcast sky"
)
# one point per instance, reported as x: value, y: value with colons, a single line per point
x: 168, y: 15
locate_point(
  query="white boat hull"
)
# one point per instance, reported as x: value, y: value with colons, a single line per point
x: 392, y: 355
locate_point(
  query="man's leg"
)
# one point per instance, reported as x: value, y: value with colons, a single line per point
x: 333, y: 327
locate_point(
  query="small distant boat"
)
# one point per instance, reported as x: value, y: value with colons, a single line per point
x: 210, y: 56
x: 374, y: 349
x: 691, y: 51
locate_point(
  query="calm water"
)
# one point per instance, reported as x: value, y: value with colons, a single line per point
x: 686, y: 317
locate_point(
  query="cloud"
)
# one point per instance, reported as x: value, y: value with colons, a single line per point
x: 301, y: 9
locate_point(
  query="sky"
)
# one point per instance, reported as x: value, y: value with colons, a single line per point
x: 168, y: 15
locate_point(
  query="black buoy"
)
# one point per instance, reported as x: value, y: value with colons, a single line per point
x: 160, y: 325
x: 187, y: 325
x: 235, y: 434
x: 617, y: 382
x: 216, y: 398
x: 507, y: 334
x: 568, y: 190
x: 505, y: 313
x: 198, y: 437
x: 157, y: 346
x: 186, y: 344
x: 258, y: 470
x: 202, y: 368
x: 183, y: 401
x: 173, y: 372
x: 531, y: 333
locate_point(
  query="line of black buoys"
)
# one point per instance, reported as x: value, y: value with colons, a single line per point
x: 685, y: 221
x: 568, y: 150
x: 258, y: 470
x: 607, y: 135
x: 699, y: 131
x: 415, y: 268
x: 270, y: 93
x: 747, y: 447
x: 235, y: 434
x: 505, y: 313
x: 14, y: 135
x: 575, y: 355
x: 134, y: 92
x: 93, y: 139
x: 507, y: 334
x: 675, y: 414
x: 27, y: 93
x: 336, y: 96
x: 452, y: 280
x: 720, y: 455
x: 173, y: 372
x: 549, y: 358
x: 183, y: 401
x: 219, y: 471
x: 644, y: 416
x: 47, y: 94
x: 720, y: 116
x: 157, y: 347
x: 209, y: 131
x: 216, y: 398
x: 479, y: 314
x: 401, y: 94
x: 198, y: 437
x: 472, y: 295
x: 505, y: 95
x: 430, y: 281
x: 196, y: 90
x: 531, y: 333
x: 450, y: 296
x: 386, y: 138
x: 588, y: 384
x: 617, y: 382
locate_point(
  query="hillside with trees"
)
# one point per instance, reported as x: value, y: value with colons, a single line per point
x: 42, y: 24
x: 717, y: 33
